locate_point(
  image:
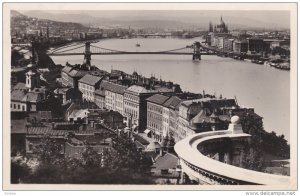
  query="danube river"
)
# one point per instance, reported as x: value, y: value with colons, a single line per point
x: 264, y: 88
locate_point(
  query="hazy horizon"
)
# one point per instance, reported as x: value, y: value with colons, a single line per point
x: 252, y: 19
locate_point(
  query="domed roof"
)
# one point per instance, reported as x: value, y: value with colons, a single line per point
x: 235, y: 120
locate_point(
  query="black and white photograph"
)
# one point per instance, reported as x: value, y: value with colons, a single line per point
x: 155, y: 95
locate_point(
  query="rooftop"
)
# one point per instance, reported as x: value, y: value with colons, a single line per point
x: 213, y: 101
x: 90, y: 79
x: 32, y: 97
x: 17, y: 95
x: 173, y: 102
x: 168, y: 161
x: 102, y: 87
x: 137, y: 89
x: 116, y: 88
x: 76, y: 73
x: 67, y: 69
x: 20, y: 86
x: 158, y: 99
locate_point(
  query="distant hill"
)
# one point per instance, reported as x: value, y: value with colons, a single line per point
x: 16, y: 14
x: 154, y: 21
x: 20, y: 23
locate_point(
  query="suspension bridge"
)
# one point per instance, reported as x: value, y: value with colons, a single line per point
x: 196, y: 50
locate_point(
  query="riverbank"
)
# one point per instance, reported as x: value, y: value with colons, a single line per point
x: 253, y: 58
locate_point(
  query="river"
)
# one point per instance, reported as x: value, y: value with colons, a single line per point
x: 263, y: 88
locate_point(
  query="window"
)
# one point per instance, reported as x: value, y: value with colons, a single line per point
x: 14, y: 106
x: 19, y: 106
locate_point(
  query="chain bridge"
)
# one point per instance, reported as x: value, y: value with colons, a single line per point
x: 196, y: 50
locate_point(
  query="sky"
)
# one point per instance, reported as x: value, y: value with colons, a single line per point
x: 251, y: 18
x: 265, y: 16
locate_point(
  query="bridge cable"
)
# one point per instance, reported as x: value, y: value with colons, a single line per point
x: 68, y: 50
x: 127, y: 51
x: 70, y: 45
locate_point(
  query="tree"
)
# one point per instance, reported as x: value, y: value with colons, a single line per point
x: 48, y: 151
x: 252, y: 159
x: 19, y: 171
x: 121, y: 164
x: 262, y: 141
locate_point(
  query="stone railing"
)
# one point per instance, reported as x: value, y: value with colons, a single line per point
x: 206, y: 170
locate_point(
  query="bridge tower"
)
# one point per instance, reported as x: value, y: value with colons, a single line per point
x: 87, y: 55
x: 197, y: 54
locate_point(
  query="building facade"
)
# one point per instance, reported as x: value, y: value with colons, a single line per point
x: 157, y: 116
x: 114, y: 97
x: 70, y: 76
x: 100, y: 95
x: 240, y: 46
x: 135, y: 104
x: 88, y: 85
x: 257, y: 45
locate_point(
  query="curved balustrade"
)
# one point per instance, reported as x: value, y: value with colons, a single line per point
x: 206, y: 170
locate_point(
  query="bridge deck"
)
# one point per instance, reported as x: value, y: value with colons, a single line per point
x: 127, y: 53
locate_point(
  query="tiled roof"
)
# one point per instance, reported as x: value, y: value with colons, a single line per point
x: 75, y: 73
x: 32, y: 97
x: 173, y: 102
x: 20, y: 86
x: 17, y: 95
x: 46, y: 131
x: 67, y: 69
x: 116, y: 88
x: 90, y: 80
x: 41, y: 131
x: 158, y: 99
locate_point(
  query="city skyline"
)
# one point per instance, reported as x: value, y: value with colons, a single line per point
x: 237, y: 19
